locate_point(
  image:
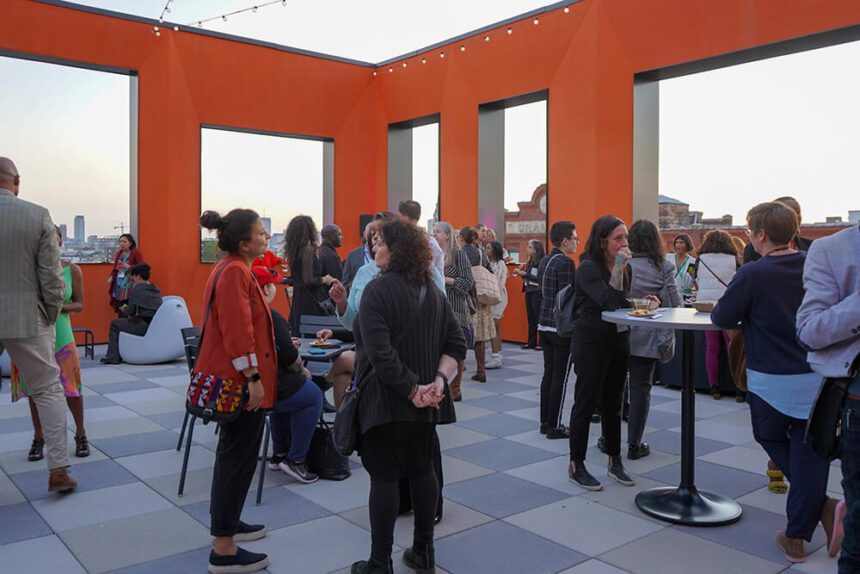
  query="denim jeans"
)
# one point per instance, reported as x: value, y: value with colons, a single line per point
x: 293, y: 422
x: 781, y: 436
x: 849, y: 562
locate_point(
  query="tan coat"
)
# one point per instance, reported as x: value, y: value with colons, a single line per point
x: 30, y: 273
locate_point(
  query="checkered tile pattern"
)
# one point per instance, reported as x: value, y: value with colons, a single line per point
x: 509, y: 506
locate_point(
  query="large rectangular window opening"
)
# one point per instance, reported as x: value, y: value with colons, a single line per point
x: 512, y: 171
x: 277, y: 175
x: 72, y: 134
x: 413, y: 166
x: 734, y: 137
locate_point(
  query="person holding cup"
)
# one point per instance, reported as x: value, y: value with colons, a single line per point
x: 600, y: 350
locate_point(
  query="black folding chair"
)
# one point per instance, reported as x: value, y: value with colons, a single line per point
x: 191, y: 338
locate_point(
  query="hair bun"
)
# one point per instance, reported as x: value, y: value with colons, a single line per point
x: 211, y: 220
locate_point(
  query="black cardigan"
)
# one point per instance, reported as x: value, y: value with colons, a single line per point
x: 289, y: 382
x: 389, y: 373
x: 593, y: 295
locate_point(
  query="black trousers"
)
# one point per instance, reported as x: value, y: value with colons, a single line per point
x: 405, y: 492
x: 600, y: 362
x: 235, y: 462
x: 392, y: 452
x: 556, y: 352
x: 133, y: 325
x: 533, y: 299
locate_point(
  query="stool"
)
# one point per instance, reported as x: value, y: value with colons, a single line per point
x: 89, y: 342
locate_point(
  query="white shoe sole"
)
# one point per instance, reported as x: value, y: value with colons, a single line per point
x: 289, y: 472
x: 249, y: 536
x: 239, y: 569
x: 620, y: 481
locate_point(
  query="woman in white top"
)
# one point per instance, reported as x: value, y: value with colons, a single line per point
x: 715, y: 268
x: 496, y: 255
x: 684, y: 262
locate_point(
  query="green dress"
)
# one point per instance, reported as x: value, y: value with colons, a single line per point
x: 65, y: 351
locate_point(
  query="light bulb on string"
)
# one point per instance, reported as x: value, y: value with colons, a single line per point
x: 224, y: 18
x: 462, y: 48
x: 510, y: 31
x: 374, y: 72
x: 423, y: 60
x: 566, y: 9
x: 535, y: 21
x: 199, y: 24
x: 404, y: 64
x: 486, y: 38
x: 254, y: 9
x: 176, y: 28
x: 442, y: 55
x: 390, y: 70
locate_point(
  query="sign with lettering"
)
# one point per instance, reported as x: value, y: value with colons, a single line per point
x: 525, y: 227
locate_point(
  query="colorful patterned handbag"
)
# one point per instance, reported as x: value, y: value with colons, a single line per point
x: 213, y: 398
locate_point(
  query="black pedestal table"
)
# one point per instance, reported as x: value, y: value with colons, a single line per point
x: 685, y: 504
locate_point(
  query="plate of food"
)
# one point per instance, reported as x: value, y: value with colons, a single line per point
x: 642, y: 313
x: 324, y: 343
x: 703, y: 306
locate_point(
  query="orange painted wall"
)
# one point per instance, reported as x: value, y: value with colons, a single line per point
x: 585, y: 58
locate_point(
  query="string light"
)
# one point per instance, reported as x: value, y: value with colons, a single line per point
x: 442, y: 55
x: 510, y: 31
x: 535, y: 21
x: 161, y: 17
x: 462, y: 48
x: 253, y: 9
x: 404, y: 64
x: 390, y: 70
x: 486, y: 38
x: 567, y: 9
x: 423, y: 60
x: 374, y: 73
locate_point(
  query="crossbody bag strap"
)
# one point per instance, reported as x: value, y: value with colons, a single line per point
x: 422, y: 295
x: 712, y: 272
x: 208, y: 310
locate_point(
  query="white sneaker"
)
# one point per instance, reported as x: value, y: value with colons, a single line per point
x: 495, y: 361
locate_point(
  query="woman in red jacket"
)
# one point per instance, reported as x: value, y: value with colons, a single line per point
x: 127, y: 256
x: 238, y: 343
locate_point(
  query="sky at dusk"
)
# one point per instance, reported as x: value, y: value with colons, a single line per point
x: 729, y: 138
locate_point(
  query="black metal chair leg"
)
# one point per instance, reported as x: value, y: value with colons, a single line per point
x: 263, y: 457
x: 185, y: 456
x: 182, y: 432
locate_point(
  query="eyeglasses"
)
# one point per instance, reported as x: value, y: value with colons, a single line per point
x: 749, y: 232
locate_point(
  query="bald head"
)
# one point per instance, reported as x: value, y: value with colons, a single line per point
x: 9, y: 178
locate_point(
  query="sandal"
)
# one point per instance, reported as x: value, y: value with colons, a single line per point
x: 82, y: 446
x: 37, y: 450
x: 777, y: 483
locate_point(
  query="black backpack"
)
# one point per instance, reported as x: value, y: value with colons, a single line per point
x: 563, y: 311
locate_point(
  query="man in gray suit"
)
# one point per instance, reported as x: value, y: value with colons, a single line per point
x: 828, y: 326
x: 31, y: 296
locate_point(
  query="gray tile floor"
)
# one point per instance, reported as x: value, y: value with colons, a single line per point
x: 509, y: 505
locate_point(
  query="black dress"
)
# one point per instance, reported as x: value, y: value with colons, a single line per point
x: 308, y: 289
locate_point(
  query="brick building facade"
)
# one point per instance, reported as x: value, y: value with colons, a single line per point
x: 529, y: 222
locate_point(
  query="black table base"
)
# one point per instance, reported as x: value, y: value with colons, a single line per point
x: 685, y: 504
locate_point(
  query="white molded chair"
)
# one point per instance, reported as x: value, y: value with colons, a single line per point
x: 163, y: 340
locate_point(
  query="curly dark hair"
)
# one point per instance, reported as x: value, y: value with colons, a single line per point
x: 718, y: 241
x: 301, y: 232
x: 497, y: 250
x: 410, y: 253
x: 233, y: 228
x: 644, y: 239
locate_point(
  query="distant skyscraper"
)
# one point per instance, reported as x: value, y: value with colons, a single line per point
x: 80, y: 229
x: 267, y: 224
x: 64, y: 232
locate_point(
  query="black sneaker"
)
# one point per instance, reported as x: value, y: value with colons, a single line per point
x: 637, y: 451
x: 557, y: 433
x: 248, y: 532
x: 601, y: 445
x: 423, y: 562
x: 543, y: 428
x: 276, y: 460
x: 299, y: 471
x: 577, y: 474
x: 243, y: 561
x: 616, y: 471
x: 715, y: 393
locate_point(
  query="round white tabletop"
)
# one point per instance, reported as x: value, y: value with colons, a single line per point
x: 668, y: 318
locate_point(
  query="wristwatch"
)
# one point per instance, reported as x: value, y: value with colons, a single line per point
x: 253, y: 378
x: 441, y: 375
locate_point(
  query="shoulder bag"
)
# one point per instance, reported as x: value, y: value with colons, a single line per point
x: 486, y: 286
x: 824, y: 427
x: 346, y: 429
x: 210, y: 397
